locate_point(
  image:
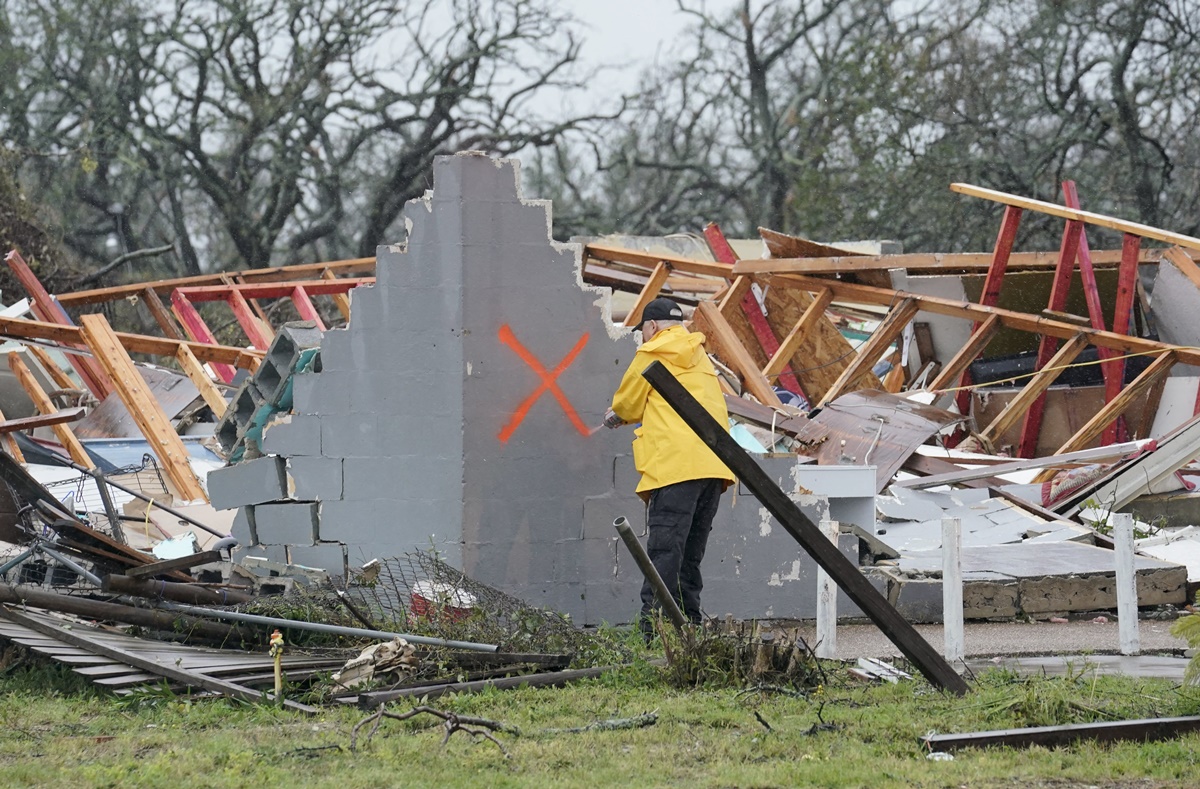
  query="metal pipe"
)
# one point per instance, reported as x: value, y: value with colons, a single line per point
x: 91, y: 577
x: 317, y: 627
x: 13, y: 562
x: 669, y: 606
x: 184, y: 593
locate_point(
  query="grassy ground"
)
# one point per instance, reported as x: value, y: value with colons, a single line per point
x: 58, y: 731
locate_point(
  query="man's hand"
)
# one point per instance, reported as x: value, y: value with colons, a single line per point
x: 611, y: 420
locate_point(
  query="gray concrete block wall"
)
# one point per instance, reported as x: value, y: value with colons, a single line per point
x: 461, y: 403
x: 250, y: 482
x: 286, y: 523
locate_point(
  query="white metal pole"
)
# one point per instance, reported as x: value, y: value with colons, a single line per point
x: 952, y: 589
x: 827, y: 602
x: 1127, y: 602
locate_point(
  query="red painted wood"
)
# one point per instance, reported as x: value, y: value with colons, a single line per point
x: 758, y: 322
x: 305, y: 308
x: 47, y: 309
x: 247, y: 320
x: 197, y: 329
x: 990, y: 296
x: 1067, y: 254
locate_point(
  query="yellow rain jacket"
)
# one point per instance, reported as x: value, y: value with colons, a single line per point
x: 665, y: 449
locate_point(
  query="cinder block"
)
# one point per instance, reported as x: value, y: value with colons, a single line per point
x: 242, y: 529
x: 330, y: 557
x: 256, y: 481
x: 290, y: 523
x: 293, y: 435
x: 351, y: 435
x: 920, y: 600
x: 314, y: 478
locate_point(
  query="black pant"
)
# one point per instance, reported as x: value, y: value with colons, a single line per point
x: 680, y: 518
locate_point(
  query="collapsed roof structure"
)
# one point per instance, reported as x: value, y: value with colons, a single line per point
x: 456, y: 408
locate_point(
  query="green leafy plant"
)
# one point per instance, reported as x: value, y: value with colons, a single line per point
x: 1187, y: 627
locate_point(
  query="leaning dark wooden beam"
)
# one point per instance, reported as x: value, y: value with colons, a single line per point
x: 818, y: 546
x: 41, y: 420
x: 1143, y: 730
x: 149, y: 665
x: 180, y: 563
x: 555, y: 679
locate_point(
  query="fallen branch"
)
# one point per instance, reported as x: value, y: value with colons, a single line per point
x: 612, y: 724
x: 451, y: 723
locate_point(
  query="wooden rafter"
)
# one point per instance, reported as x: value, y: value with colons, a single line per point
x: 1037, y: 386
x: 923, y: 263
x: 199, y: 377
x: 1120, y: 404
x: 980, y: 337
x: 140, y: 403
x: 736, y: 355
x: 649, y: 293
x: 791, y: 343
x: 160, y: 313
x: 42, y: 402
x: 649, y: 260
x: 870, y: 352
x: 1087, y: 217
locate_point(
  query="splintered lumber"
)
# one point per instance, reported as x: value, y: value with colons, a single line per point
x: 340, y: 300
x: 155, y: 426
x: 805, y: 532
x: 1100, y: 220
x: 1141, y: 730
x: 10, y: 442
x: 736, y: 355
x: 1119, y: 404
x: 1019, y: 406
x: 866, y: 294
x: 42, y: 402
x: 196, y: 374
x: 1084, y: 455
x: 870, y: 352
x: 75, y: 636
x: 925, y: 263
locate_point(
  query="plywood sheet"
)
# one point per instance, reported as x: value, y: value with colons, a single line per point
x: 111, y: 419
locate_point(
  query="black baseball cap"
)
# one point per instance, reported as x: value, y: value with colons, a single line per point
x: 661, y: 310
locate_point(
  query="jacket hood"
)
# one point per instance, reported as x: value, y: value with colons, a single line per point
x: 677, y: 346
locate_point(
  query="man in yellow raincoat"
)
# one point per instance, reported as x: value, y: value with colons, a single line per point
x: 682, y: 479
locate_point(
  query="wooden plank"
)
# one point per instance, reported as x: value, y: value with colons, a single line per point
x: 791, y: 343
x: 926, y: 263
x: 783, y: 245
x: 1142, y: 730
x: 1083, y: 455
x: 756, y: 315
x: 180, y: 563
x: 165, y: 286
x: 76, y: 637
x: 824, y: 352
x: 273, y: 290
x: 47, y: 309
x: 197, y: 329
x: 649, y: 293
x: 738, y: 358
x: 870, y: 351
x: 1018, y: 407
x: 304, y: 307
x: 61, y: 379
x: 256, y: 333
x: 980, y: 337
x: 160, y: 314
x: 733, y: 295
x: 10, y: 442
x: 340, y: 300
x: 1137, y: 229
x: 199, y: 377
x: 42, y: 402
x: 29, y: 422
x: 849, y: 578
x: 1127, y: 281
x: 651, y: 259
x: 155, y: 426
x: 1095, y: 426
x: 866, y: 294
